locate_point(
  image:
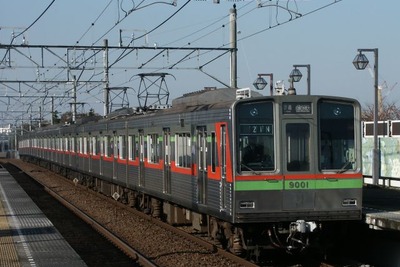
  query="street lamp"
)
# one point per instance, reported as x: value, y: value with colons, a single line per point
x: 296, y: 75
x: 360, y: 62
x: 260, y: 82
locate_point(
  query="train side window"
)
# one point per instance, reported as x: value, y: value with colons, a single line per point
x: 298, y: 146
x: 114, y: 146
x: 106, y: 146
x: 183, y: 152
x: 98, y: 145
x: 131, y: 147
x: 121, y: 146
x: 79, y: 145
x: 94, y: 145
x: 85, y: 145
x: 73, y: 147
x: 67, y: 144
x: 153, y: 148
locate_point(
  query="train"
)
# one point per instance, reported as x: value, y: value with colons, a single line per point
x: 251, y: 171
x: 4, y: 146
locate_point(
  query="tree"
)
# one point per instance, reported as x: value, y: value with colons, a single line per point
x: 388, y: 111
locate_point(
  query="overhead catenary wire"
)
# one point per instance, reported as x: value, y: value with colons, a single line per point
x: 270, y: 27
x: 292, y: 19
x: 127, y: 13
x: 33, y: 23
x: 94, y: 22
x: 123, y: 55
x: 212, y: 31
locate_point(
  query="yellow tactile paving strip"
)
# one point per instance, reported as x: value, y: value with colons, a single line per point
x: 8, y: 252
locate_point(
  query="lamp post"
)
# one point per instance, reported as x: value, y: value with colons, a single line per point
x: 260, y: 82
x: 296, y: 75
x: 361, y: 62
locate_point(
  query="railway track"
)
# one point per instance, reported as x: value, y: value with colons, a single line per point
x: 198, y: 251
x: 67, y: 192
x: 134, y: 254
x: 121, y: 244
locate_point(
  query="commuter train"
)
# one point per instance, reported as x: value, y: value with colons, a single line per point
x: 252, y: 171
x: 4, y: 146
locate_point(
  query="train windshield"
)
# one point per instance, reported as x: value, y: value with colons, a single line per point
x: 336, y: 145
x: 255, y: 132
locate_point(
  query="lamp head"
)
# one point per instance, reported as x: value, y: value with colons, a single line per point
x: 360, y: 62
x: 296, y: 75
x: 260, y: 83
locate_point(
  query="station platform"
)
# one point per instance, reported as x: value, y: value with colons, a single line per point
x: 27, y: 236
x: 381, y: 207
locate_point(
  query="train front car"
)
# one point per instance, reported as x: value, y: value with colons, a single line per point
x: 297, y: 165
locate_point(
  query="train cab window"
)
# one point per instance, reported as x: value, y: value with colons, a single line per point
x: 255, y: 137
x: 298, y: 146
x: 336, y: 144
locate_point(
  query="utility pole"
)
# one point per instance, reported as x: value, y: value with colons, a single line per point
x: 233, y: 41
x: 74, y: 101
x: 40, y: 117
x: 52, y: 110
x: 106, y: 79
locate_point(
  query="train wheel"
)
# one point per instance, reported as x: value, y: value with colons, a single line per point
x: 235, y: 245
x: 156, y: 207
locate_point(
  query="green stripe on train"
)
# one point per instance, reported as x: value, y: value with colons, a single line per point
x: 298, y: 184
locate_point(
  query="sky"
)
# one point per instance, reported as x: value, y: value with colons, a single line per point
x: 271, y: 39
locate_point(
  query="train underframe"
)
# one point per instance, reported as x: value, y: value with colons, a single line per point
x: 246, y: 240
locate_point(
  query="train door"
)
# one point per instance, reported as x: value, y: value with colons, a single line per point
x: 141, y: 157
x: 202, y: 165
x: 223, y: 167
x: 167, y: 161
x: 297, y: 189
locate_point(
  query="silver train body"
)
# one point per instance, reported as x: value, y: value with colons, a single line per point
x: 246, y: 170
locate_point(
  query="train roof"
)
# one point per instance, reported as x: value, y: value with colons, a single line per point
x: 208, y: 96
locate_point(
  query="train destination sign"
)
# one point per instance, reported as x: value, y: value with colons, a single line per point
x: 296, y: 108
x: 259, y: 129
